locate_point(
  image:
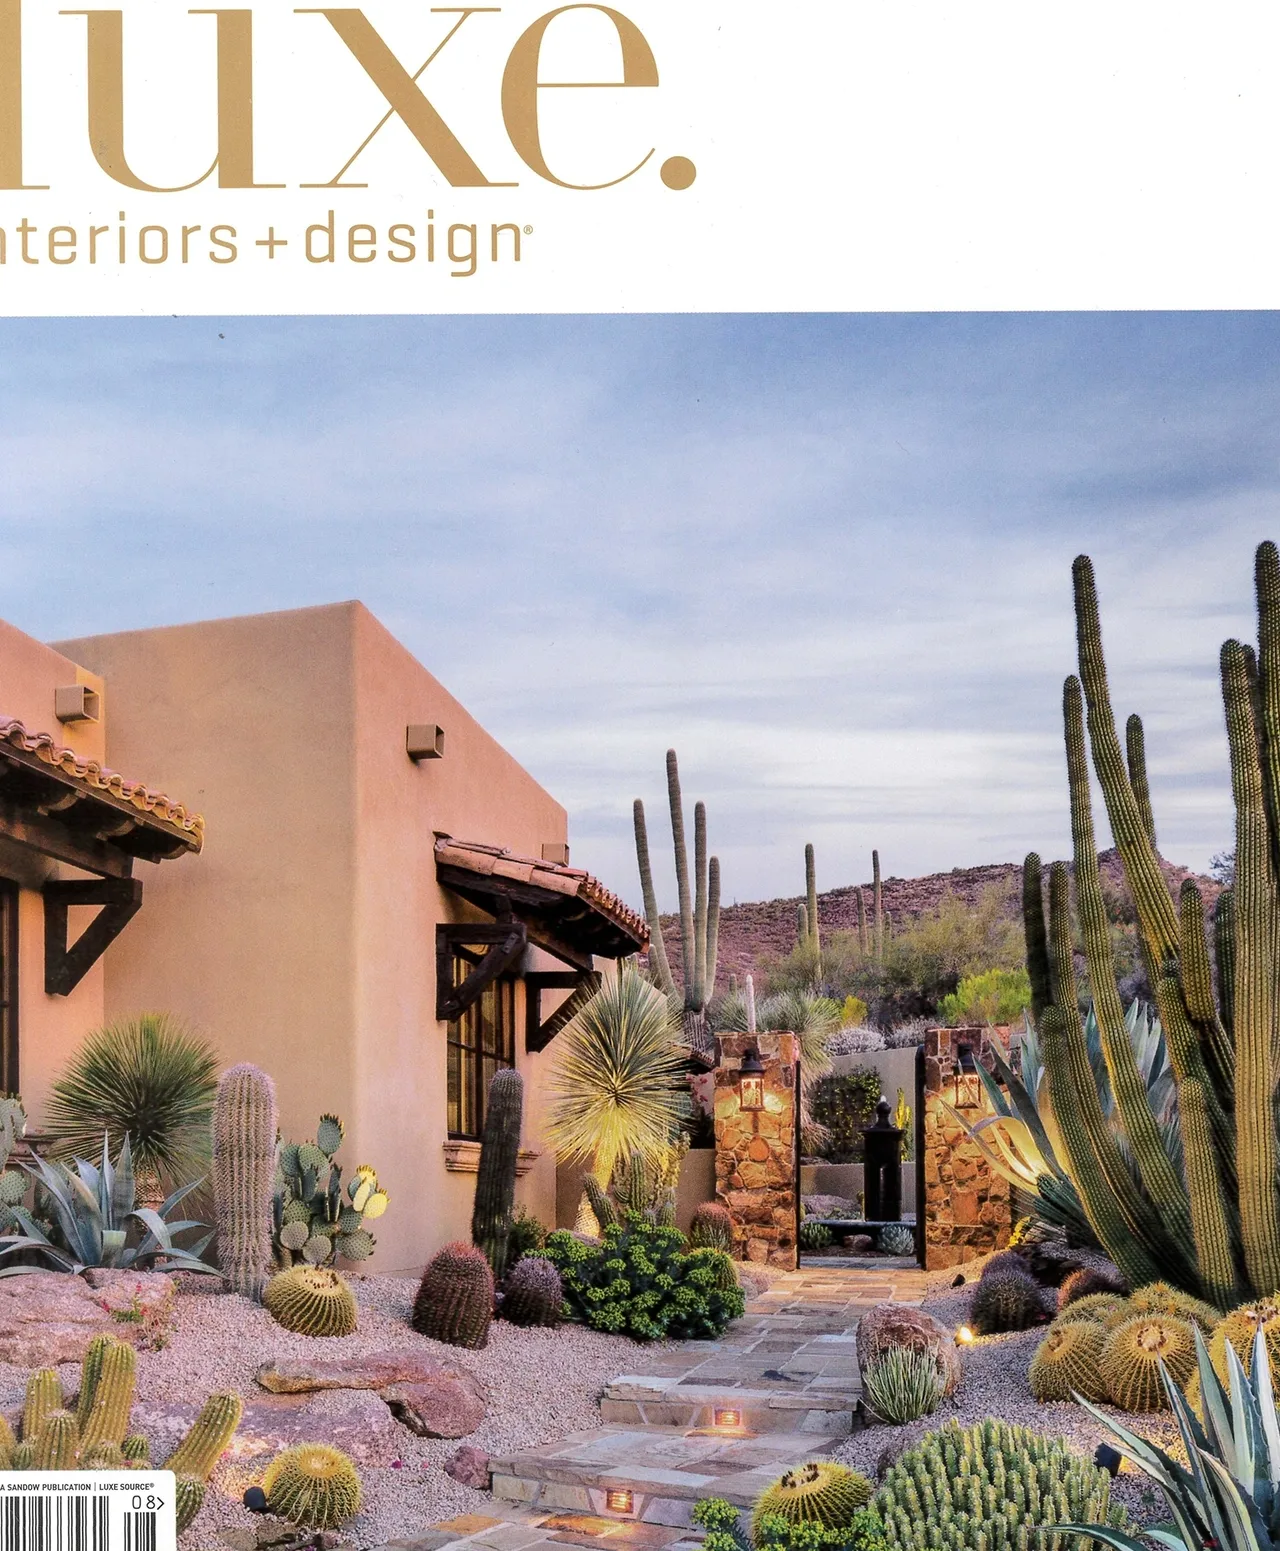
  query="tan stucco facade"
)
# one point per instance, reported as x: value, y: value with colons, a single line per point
x: 302, y: 938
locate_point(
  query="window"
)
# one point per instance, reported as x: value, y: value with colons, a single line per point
x: 9, y: 1080
x: 481, y: 1042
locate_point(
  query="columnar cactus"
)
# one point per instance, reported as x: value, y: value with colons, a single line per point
x: 244, y: 1142
x: 43, y: 1397
x: 877, y: 906
x: 699, y: 907
x: 107, y: 1419
x: 496, y: 1180
x: 811, y: 899
x: 455, y: 1297
x: 207, y: 1437
x: 56, y: 1442
x: 1211, y: 1226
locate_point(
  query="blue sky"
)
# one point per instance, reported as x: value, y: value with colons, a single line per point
x: 826, y: 558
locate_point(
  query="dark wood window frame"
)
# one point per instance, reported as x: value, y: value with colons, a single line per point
x: 480, y: 1041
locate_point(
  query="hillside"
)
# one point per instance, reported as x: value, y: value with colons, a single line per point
x: 750, y: 932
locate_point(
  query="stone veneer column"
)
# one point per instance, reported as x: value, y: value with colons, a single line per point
x: 966, y: 1204
x: 757, y: 1151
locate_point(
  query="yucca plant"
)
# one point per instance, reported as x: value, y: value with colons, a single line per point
x: 147, y: 1079
x: 1227, y: 1496
x: 619, y: 1087
x: 92, y: 1212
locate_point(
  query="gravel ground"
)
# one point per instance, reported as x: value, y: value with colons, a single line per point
x: 542, y: 1384
x: 995, y: 1384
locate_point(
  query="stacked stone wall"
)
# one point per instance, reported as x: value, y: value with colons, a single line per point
x: 966, y: 1206
x: 757, y: 1152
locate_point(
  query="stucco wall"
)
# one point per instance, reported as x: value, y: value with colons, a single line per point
x: 303, y: 938
x: 49, y: 1027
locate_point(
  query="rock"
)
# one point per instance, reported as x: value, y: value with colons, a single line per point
x: 831, y: 1206
x: 377, y: 1371
x: 858, y: 1243
x: 470, y: 1466
x: 49, y: 1317
x: 895, y: 1324
x: 355, y: 1421
x: 450, y: 1406
x: 900, y: 1440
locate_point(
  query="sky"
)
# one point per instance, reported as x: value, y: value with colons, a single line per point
x: 828, y: 559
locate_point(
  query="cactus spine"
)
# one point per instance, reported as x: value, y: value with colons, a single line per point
x: 496, y: 1180
x: 244, y: 1141
x: 455, y: 1297
x: 207, y: 1437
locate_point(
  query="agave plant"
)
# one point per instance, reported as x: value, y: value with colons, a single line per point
x: 1019, y: 1139
x: 94, y: 1220
x: 1228, y: 1494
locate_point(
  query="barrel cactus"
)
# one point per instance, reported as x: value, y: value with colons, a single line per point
x: 1005, y: 1301
x: 244, y: 1142
x: 711, y: 1227
x: 1097, y: 1308
x: 1066, y: 1363
x: 315, y: 1220
x: 311, y: 1300
x: 534, y: 1293
x: 136, y: 1450
x: 1161, y: 1298
x: 820, y: 1492
x: 1132, y: 1356
x: 313, y: 1485
x: 992, y: 1485
x: 454, y: 1303
x: 1088, y: 1280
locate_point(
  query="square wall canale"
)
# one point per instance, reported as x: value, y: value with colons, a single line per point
x: 303, y: 937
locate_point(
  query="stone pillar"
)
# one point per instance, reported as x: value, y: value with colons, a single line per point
x: 757, y: 1151
x: 966, y: 1205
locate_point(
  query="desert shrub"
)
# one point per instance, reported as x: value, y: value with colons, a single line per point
x: 844, y: 1105
x: 720, y: 1520
x: 641, y: 1280
x: 994, y: 996
x: 526, y: 1236
x: 902, y: 1385
x: 855, y: 1041
x: 853, y: 1012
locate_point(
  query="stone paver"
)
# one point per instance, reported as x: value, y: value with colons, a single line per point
x: 707, y: 1418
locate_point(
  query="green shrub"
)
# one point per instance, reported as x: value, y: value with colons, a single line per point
x: 994, y: 996
x: 844, y: 1105
x: 526, y: 1236
x: 643, y: 1281
x: 901, y: 1385
x: 853, y: 1014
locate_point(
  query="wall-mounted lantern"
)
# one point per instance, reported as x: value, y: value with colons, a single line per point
x: 751, y: 1081
x: 966, y: 1078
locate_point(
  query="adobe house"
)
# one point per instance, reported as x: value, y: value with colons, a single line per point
x: 374, y: 904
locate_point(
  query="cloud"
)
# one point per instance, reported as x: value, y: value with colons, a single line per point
x: 826, y: 558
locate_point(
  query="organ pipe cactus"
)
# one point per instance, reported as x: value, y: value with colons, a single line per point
x: 1211, y: 1222
x: 244, y: 1144
x: 699, y: 906
x: 496, y: 1180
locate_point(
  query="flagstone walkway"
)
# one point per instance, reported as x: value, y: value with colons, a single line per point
x: 694, y: 1419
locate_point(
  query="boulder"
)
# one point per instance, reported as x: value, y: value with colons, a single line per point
x: 896, y: 1324
x: 377, y: 1371
x: 49, y: 1317
x: 355, y: 1421
x: 831, y: 1206
x: 448, y: 1407
x: 470, y: 1466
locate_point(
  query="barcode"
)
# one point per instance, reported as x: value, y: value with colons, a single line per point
x: 139, y: 1532
x: 62, y: 1523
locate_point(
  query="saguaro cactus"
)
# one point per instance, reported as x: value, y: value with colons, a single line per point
x: 1212, y: 1227
x: 699, y: 906
x: 244, y: 1144
x: 811, y: 897
x: 496, y: 1181
x: 877, y: 906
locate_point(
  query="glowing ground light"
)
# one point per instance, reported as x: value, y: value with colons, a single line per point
x: 619, y: 1501
x: 964, y: 1336
x: 726, y: 1418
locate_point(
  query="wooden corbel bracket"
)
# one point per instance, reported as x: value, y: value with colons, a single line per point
x: 65, y: 967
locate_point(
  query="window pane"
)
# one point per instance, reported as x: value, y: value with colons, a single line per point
x: 480, y: 1043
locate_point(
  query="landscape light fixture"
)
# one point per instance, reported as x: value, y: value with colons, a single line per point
x: 966, y: 1078
x: 619, y: 1500
x: 751, y: 1081
x: 964, y: 1336
x: 726, y: 1417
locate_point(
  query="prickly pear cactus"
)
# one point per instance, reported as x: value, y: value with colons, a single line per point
x: 315, y: 1219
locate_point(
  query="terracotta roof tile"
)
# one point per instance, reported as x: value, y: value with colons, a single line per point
x: 97, y: 777
x: 555, y: 876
